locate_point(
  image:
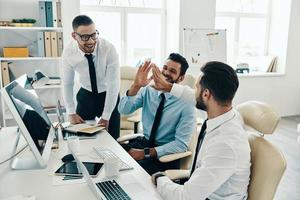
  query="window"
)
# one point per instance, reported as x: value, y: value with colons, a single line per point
x: 247, y: 23
x: 135, y: 27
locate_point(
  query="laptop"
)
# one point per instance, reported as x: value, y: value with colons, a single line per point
x: 95, y: 188
x: 83, y: 131
x: 111, y: 190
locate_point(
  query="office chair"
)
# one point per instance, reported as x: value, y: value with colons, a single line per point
x: 129, y: 123
x: 267, y: 162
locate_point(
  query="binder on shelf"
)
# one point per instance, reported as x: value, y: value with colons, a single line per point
x: 41, y: 44
x: 15, y: 52
x: 58, y: 12
x: 5, y: 73
x: 54, y: 13
x: 47, y: 39
x: 42, y: 13
x: 53, y: 44
x: 59, y: 43
x: 49, y: 14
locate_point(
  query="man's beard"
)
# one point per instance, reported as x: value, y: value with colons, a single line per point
x: 170, y: 79
x: 87, y: 48
x: 200, y: 103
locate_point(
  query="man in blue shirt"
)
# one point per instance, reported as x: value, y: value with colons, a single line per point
x: 168, y: 122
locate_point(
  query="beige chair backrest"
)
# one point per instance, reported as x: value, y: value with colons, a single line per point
x: 185, y: 163
x: 127, y: 78
x: 189, y: 80
x: 267, y: 162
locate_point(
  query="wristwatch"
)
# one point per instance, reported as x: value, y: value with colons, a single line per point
x: 147, y: 152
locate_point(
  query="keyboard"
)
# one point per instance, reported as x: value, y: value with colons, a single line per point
x: 112, y: 190
x: 107, y: 153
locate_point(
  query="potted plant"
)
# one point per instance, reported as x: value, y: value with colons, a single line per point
x: 23, y: 22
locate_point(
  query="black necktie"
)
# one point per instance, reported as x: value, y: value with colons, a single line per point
x: 199, y: 143
x: 157, y: 119
x: 92, y: 73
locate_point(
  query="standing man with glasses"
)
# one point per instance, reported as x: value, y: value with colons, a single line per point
x: 97, y: 64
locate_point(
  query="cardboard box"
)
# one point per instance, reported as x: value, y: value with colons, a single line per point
x: 15, y: 52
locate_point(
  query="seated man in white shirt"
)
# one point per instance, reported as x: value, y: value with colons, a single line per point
x: 221, y: 167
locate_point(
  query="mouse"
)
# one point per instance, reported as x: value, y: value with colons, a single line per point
x: 68, y: 158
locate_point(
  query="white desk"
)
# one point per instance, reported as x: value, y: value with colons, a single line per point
x: 40, y: 182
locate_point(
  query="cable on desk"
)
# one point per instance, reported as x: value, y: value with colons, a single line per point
x: 2, y: 162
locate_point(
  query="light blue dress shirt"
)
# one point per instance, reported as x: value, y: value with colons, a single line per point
x: 177, y: 123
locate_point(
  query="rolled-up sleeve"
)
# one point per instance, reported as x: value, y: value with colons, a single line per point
x: 218, y: 164
x: 129, y: 104
x: 184, y: 92
x: 113, y: 83
x: 68, y: 74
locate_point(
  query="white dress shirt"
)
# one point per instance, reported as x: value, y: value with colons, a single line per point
x: 223, y: 163
x: 107, y: 69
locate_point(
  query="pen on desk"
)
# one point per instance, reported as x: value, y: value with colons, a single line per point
x: 71, y: 177
x: 210, y: 34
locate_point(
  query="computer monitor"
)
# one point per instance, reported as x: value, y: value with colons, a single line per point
x: 33, y: 122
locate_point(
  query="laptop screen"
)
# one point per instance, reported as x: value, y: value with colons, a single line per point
x: 30, y: 109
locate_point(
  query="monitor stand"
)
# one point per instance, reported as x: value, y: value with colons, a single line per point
x: 23, y: 163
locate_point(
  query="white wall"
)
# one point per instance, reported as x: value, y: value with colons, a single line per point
x: 70, y: 9
x: 279, y: 29
x: 172, y: 22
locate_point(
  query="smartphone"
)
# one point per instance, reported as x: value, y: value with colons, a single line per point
x: 71, y: 169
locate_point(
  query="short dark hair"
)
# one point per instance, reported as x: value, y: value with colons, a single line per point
x: 81, y: 20
x: 176, y: 57
x: 221, y: 80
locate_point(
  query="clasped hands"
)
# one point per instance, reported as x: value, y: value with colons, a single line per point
x: 142, y: 79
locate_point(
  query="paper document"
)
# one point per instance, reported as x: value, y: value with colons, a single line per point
x: 84, y: 128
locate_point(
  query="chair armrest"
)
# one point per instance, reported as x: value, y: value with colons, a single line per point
x: 175, y: 156
x: 129, y: 137
x: 175, y: 174
x: 134, y: 119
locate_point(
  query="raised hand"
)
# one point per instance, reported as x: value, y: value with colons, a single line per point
x: 141, y: 78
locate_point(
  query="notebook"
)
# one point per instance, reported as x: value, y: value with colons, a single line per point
x: 84, y: 128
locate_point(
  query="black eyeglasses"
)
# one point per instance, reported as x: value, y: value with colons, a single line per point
x: 86, y: 37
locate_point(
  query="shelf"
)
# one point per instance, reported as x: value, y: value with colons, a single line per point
x: 261, y: 74
x: 47, y: 87
x: 29, y: 58
x: 31, y: 28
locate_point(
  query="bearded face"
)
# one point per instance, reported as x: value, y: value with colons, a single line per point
x: 171, y: 71
x: 200, y: 102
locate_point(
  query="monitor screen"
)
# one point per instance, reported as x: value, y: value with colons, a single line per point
x: 30, y: 110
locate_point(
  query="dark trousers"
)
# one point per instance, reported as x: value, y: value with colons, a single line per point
x: 151, y: 165
x: 90, y: 105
